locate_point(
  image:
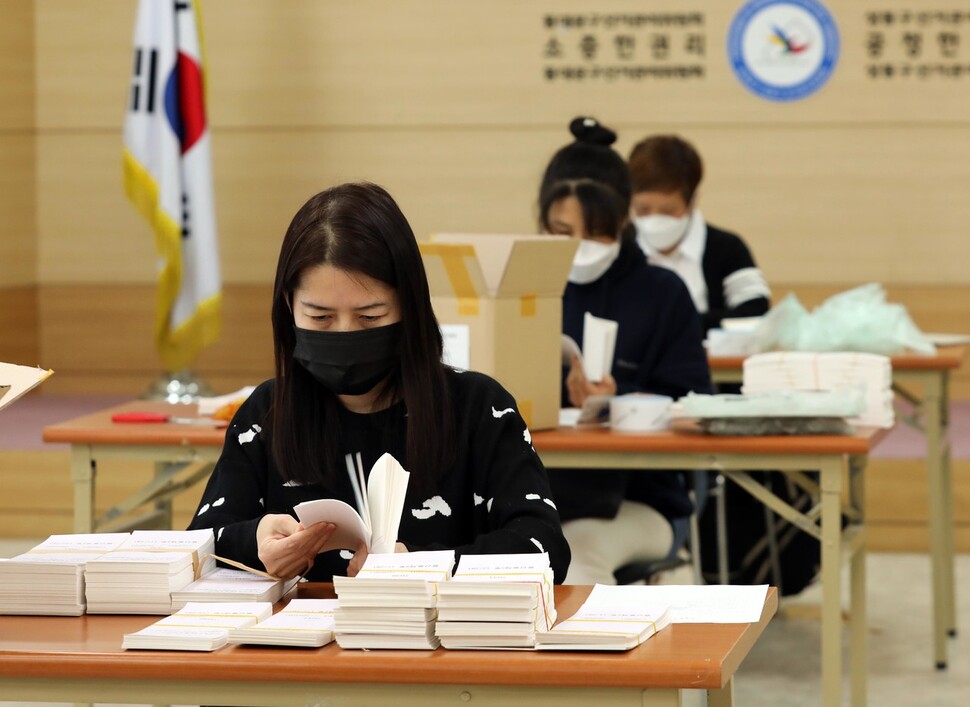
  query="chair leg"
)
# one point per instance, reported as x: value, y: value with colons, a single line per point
x: 722, y: 539
x: 773, y: 554
x: 694, y: 544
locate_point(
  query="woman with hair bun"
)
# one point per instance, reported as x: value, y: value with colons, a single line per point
x: 613, y: 517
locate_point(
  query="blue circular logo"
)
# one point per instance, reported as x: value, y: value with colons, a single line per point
x: 783, y: 50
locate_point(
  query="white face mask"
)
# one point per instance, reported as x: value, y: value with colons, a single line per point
x: 592, y: 259
x: 658, y: 232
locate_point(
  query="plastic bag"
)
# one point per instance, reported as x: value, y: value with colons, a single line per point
x: 856, y: 320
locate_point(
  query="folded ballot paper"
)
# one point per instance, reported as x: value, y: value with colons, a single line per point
x: 391, y: 601
x: 496, y: 601
x: 380, y: 498
x: 604, y: 625
x: 16, y: 380
x: 302, y: 623
x: 139, y: 576
x: 222, y: 585
x: 599, y: 344
x: 48, y: 579
x: 198, y: 626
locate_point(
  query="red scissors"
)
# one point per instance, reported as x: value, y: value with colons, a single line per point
x: 143, y: 417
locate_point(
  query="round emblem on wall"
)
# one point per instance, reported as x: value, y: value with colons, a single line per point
x: 783, y: 50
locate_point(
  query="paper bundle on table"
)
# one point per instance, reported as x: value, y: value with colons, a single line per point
x: 496, y: 601
x: 795, y: 370
x: 49, y: 578
x: 140, y: 575
x: 198, y: 626
x: 302, y: 623
x: 605, y: 625
x: 225, y: 584
x: 391, y: 601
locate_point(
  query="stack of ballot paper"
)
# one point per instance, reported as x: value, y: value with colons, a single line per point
x: 391, y: 601
x: 198, y: 626
x: 496, y: 601
x: 302, y: 623
x: 605, y: 626
x: 224, y: 584
x: 49, y: 578
x: 795, y: 370
x: 140, y: 575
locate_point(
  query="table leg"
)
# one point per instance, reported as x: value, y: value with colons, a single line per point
x: 723, y: 697
x: 858, y: 624
x: 940, y: 513
x: 164, y: 506
x: 83, y: 475
x: 831, y: 480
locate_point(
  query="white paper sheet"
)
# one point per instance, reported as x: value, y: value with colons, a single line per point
x: 689, y: 604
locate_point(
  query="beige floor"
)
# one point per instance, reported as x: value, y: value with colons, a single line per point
x: 783, y: 669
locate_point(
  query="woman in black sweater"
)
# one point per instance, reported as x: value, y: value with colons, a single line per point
x: 614, y: 517
x: 359, y: 371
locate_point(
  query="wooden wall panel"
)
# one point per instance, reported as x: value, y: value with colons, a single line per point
x: 840, y: 208
x: 100, y: 339
x: 89, y: 232
x: 84, y: 59
x: 441, y: 63
x: 18, y: 244
x: 17, y: 66
x: 18, y: 257
x: 19, y: 327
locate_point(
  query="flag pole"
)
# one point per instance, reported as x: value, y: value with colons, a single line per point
x: 168, y: 178
x: 178, y: 387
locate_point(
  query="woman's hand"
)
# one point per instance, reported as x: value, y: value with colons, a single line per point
x: 580, y: 387
x: 286, y: 548
x: 357, y: 561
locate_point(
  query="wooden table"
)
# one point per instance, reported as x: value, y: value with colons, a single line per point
x: 172, y: 448
x: 840, y: 461
x: 80, y: 659
x: 931, y: 375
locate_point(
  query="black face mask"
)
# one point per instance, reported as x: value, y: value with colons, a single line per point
x: 349, y: 362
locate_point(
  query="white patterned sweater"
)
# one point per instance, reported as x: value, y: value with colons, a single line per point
x: 495, y: 498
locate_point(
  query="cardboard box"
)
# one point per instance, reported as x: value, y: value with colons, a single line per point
x: 499, y: 301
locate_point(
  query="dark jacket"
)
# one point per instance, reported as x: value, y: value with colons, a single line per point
x: 725, y: 254
x: 659, y: 349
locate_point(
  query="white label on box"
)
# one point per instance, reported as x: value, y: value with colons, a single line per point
x: 457, y: 345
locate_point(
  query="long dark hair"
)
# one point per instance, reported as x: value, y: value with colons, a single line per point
x: 357, y: 228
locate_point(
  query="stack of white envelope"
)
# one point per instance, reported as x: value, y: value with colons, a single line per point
x: 496, y: 601
x: 49, y: 578
x: 606, y: 623
x: 140, y: 575
x: 391, y: 601
x: 198, y: 626
x: 302, y: 623
x: 224, y: 584
x: 798, y: 370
